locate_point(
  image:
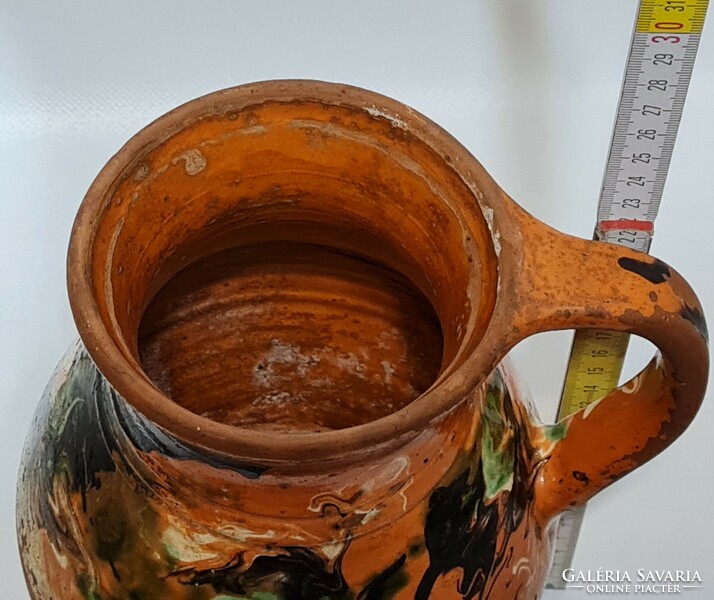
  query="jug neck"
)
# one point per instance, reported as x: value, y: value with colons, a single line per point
x: 361, y: 490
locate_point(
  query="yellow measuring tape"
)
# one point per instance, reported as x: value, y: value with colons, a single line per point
x: 659, y: 67
x: 671, y: 16
x: 597, y: 357
x: 594, y: 368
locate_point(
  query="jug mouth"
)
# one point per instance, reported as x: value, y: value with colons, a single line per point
x: 287, y: 162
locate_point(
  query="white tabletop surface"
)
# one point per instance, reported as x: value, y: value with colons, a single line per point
x: 529, y: 86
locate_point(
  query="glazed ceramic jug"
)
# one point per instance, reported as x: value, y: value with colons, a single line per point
x: 295, y: 300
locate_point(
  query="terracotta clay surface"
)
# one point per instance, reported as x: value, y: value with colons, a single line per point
x: 295, y: 300
x: 290, y: 337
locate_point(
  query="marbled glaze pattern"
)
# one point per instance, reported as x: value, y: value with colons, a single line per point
x: 101, y: 514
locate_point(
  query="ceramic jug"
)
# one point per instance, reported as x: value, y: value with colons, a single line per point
x: 295, y: 300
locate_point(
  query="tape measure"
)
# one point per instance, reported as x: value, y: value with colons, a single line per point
x: 659, y: 67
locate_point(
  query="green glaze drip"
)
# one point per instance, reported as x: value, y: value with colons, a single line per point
x: 556, y: 432
x: 87, y: 587
x: 173, y: 556
x: 416, y: 548
x: 497, y: 452
x: 497, y: 468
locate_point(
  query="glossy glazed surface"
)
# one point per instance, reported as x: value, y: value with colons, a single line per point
x: 110, y: 507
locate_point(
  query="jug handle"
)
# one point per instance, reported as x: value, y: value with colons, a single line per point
x: 561, y: 282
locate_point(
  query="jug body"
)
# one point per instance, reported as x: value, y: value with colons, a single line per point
x: 110, y: 507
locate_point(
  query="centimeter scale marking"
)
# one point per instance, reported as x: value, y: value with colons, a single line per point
x: 659, y: 67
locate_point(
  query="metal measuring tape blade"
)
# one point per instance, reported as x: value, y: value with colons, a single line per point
x: 659, y: 67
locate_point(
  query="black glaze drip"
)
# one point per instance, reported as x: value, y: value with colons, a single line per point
x: 149, y: 438
x: 297, y: 574
x: 454, y: 540
x: 385, y: 585
x: 655, y: 271
x: 696, y: 318
x: 96, y: 453
x: 462, y: 526
x: 294, y: 574
x: 76, y: 450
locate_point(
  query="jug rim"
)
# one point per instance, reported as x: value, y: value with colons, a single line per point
x: 396, y: 428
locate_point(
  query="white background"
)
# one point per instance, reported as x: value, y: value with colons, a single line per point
x: 529, y: 86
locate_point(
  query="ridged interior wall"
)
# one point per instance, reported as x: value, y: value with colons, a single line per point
x: 322, y: 242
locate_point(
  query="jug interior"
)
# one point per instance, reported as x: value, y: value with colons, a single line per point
x: 290, y: 336
x: 290, y: 264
